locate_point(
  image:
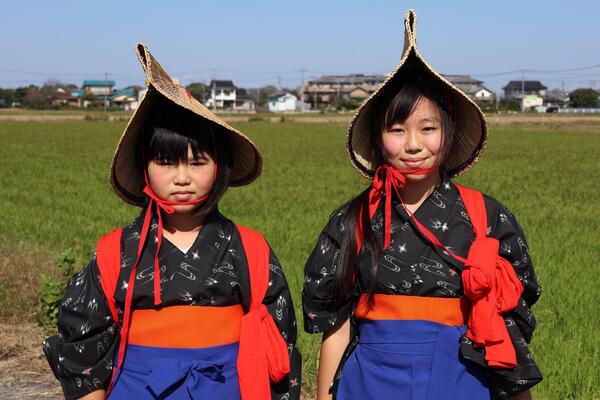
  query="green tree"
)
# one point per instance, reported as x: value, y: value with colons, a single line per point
x: 264, y: 93
x: 7, y: 97
x: 584, y: 97
x: 342, y: 103
x: 197, y: 90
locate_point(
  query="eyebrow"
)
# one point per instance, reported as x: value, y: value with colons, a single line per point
x: 433, y: 119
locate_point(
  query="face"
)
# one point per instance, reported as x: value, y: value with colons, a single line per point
x: 182, y: 182
x: 415, y: 143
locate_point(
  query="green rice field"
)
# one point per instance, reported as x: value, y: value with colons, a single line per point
x: 54, y: 194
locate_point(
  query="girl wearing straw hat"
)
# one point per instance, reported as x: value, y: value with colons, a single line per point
x: 182, y: 303
x: 423, y: 288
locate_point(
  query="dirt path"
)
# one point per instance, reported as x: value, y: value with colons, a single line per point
x: 342, y: 118
x: 33, y: 388
x: 24, y: 373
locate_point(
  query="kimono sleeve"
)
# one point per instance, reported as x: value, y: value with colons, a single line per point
x: 507, y: 383
x: 321, y: 311
x: 278, y: 301
x: 81, y: 355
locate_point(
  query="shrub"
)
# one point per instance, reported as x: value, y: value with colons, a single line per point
x: 52, y: 289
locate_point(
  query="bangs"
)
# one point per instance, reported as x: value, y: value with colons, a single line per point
x: 402, y: 105
x: 172, y: 131
x: 168, y: 145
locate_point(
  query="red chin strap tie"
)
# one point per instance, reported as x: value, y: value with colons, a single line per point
x: 386, y: 179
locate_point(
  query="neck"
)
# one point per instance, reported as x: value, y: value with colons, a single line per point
x: 182, y: 222
x: 417, y: 190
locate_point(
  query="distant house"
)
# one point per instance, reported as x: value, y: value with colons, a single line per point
x: 101, y: 89
x: 243, y: 101
x: 59, y: 97
x: 126, y: 99
x: 282, y: 102
x: 98, y: 88
x: 520, y: 89
x: 362, y: 92
x: 328, y: 87
x: 65, y: 96
x: 224, y: 95
x: 473, y: 88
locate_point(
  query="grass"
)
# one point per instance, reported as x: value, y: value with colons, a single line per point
x: 55, y: 194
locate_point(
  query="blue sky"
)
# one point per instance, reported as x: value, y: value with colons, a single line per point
x: 256, y: 43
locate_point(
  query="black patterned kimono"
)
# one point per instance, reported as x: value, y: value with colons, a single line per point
x: 411, y: 266
x: 213, y: 272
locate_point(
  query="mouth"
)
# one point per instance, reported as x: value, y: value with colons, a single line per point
x: 414, y: 162
x: 183, y: 196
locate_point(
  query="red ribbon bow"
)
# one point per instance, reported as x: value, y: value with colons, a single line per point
x: 386, y: 178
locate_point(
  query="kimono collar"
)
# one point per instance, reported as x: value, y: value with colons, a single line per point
x: 155, y: 205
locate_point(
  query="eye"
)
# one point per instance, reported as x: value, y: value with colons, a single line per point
x: 395, y: 130
x: 430, y: 129
x: 164, y: 162
x: 198, y: 163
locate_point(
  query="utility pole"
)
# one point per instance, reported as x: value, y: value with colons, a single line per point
x: 302, y: 71
x: 279, y: 83
x: 213, y: 93
x: 105, y: 92
x: 523, y: 82
x: 214, y: 96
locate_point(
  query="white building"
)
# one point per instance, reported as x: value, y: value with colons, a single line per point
x: 222, y: 95
x: 282, y: 102
x: 530, y: 101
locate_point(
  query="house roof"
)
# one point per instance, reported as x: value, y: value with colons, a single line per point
x: 220, y: 84
x: 352, y: 79
x: 127, y: 92
x: 465, y: 79
x: 242, y: 94
x: 98, y: 83
x: 528, y: 85
x: 277, y: 96
x: 471, y: 88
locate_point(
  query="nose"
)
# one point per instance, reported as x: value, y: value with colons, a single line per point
x: 413, y: 143
x: 181, y: 177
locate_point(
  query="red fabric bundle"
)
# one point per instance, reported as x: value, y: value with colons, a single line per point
x: 263, y: 354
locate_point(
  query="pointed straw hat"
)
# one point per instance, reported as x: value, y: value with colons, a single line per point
x: 127, y: 175
x: 470, y: 133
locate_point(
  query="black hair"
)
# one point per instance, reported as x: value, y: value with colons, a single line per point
x: 168, y: 137
x: 390, y: 108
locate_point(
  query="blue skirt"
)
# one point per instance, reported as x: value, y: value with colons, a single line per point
x: 410, y: 360
x: 175, y: 373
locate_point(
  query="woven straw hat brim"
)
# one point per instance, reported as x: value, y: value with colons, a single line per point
x: 127, y: 176
x: 470, y: 125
